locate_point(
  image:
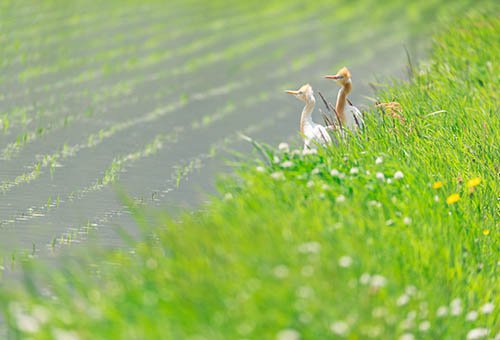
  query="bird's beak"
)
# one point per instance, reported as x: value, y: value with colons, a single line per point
x: 292, y: 92
x: 336, y: 77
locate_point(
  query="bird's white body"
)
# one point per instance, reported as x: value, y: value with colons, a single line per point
x: 312, y: 133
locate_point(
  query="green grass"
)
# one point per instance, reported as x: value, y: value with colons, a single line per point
x: 363, y: 252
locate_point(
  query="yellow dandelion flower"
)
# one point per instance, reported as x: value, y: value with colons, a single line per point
x: 473, y: 182
x: 453, y: 198
x: 437, y: 185
x: 486, y: 232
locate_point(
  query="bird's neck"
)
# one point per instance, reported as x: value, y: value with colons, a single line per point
x: 306, y: 117
x: 342, y: 100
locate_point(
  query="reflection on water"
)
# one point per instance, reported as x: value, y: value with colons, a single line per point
x: 152, y: 95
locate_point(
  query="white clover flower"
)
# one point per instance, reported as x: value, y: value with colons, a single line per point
x: 373, y: 331
x: 407, y: 220
x: 281, y: 271
x: 407, y: 324
x: 365, y: 278
x: 310, y: 184
x: 309, y: 248
x: 276, y: 159
x: 278, y: 175
x: 288, y: 334
x: 403, y: 300
x: 325, y: 186
x: 477, y: 333
x: 334, y: 173
x: 436, y: 198
x: 340, y: 198
x: 260, y: 169
x: 305, y: 292
x: 284, y: 147
x: 471, y: 316
x: 26, y: 323
x: 487, y: 308
x: 442, y: 311
x: 228, y: 196
x: 398, y: 175
x: 63, y: 334
x: 354, y: 171
x: 389, y: 222
x: 380, y: 176
x: 407, y: 336
x: 309, y: 152
x: 296, y: 152
x: 374, y: 204
x: 315, y: 171
x: 345, y: 261
x: 41, y: 314
x: 424, y: 326
x: 379, y: 160
x: 379, y: 312
x: 339, y: 327
x: 411, y: 290
x: 287, y: 164
x: 456, y: 307
x: 378, y: 281
x: 367, y: 172
x: 389, y: 181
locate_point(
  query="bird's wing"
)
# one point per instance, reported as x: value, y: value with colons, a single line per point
x: 358, y: 116
x: 322, y: 135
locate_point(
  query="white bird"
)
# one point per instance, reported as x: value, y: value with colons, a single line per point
x: 349, y: 115
x: 312, y: 133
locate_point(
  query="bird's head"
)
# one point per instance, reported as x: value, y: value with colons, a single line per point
x: 305, y: 92
x: 342, y: 77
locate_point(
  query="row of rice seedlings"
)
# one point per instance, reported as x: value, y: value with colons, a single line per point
x: 148, y: 36
x: 179, y: 173
x: 142, y: 32
x: 6, y: 125
x: 77, y: 27
x: 53, y: 160
x: 155, y: 59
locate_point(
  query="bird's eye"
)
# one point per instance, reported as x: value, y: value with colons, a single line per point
x: 301, y: 92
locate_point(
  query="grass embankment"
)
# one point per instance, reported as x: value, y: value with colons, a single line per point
x: 394, y: 233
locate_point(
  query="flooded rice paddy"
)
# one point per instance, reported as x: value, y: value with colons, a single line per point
x: 151, y: 96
